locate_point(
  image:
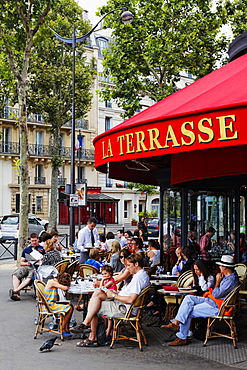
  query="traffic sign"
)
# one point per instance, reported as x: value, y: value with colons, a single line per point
x: 73, y: 200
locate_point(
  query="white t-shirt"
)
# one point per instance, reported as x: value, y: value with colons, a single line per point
x: 139, y: 281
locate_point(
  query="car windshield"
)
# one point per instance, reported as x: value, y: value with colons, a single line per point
x: 10, y: 220
x: 151, y: 222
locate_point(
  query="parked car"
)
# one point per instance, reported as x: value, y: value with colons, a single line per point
x: 153, y: 226
x: 44, y: 223
x: 9, y: 226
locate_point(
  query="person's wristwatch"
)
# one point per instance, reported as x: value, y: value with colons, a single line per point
x: 113, y: 295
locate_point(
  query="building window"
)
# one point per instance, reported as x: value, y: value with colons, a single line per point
x: 6, y: 139
x: 125, y: 209
x: 108, y: 104
x: 107, y: 123
x: 39, y: 174
x: 39, y: 204
x: 102, y: 43
x: 108, y: 182
x: 39, y: 142
x: 81, y: 174
x: 155, y: 205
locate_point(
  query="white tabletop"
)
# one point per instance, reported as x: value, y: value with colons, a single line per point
x: 81, y: 288
x: 175, y: 292
x: 165, y: 276
x: 162, y: 282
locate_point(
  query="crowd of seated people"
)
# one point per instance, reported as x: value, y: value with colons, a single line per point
x: 121, y: 259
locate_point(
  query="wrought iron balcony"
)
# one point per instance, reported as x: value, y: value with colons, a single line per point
x: 81, y: 181
x: 79, y: 123
x: 61, y: 181
x: 46, y: 151
x: 19, y: 180
x: 39, y: 180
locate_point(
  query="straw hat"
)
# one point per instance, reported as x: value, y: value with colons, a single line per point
x: 227, y: 261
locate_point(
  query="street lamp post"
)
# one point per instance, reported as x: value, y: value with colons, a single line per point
x: 126, y: 18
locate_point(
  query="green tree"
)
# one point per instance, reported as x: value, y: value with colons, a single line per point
x: 50, y: 88
x: 166, y: 37
x: 143, y: 188
x: 19, y: 23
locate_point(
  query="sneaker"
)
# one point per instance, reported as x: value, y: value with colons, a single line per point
x: 178, y: 342
x: 190, y: 335
x: 67, y: 335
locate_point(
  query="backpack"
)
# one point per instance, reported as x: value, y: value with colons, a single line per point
x: 200, y: 328
x: 101, y: 332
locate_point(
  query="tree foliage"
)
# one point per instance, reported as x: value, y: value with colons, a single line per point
x: 19, y: 23
x: 165, y: 38
x: 143, y: 188
x: 50, y: 87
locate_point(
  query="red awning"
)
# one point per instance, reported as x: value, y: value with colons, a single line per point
x: 210, y: 114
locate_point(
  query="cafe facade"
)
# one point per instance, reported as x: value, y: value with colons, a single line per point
x: 193, y: 145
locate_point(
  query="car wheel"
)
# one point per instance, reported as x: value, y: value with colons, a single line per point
x: 46, y: 227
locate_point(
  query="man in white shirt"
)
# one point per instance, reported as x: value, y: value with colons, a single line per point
x: 112, y: 302
x: 87, y: 235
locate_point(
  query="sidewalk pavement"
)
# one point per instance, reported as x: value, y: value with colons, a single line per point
x: 19, y: 350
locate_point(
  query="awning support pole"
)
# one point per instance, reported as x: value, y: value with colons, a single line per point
x: 161, y: 217
x: 184, y: 216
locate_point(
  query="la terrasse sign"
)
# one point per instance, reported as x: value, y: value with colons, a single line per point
x: 180, y: 134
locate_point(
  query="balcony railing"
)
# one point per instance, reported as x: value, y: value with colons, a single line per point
x: 81, y: 181
x: 14, y: 113
x: 61, y: 181
x: 39, y: 180
x: 79, y: 123
x: 46, y: 151
x: 19, y: 180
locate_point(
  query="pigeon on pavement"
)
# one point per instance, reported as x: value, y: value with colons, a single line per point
x: 48, y: 344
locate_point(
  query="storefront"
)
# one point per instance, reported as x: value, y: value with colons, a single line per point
x: 193, y: 144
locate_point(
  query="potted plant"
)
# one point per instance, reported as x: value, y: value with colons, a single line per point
x: 133, y: 222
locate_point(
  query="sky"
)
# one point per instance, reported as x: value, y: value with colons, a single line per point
x: 91, y: 7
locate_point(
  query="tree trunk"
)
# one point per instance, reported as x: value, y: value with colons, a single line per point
x: 24, y: 158
x: 56, y: 162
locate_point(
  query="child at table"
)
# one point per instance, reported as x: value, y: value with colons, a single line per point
x: 109, y: 283
x: 107, y: 278
x: 62, y: 281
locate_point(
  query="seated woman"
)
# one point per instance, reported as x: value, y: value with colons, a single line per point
x: 115, y: 262
x: 62, y: 281
x: 124, y: 275
x: 153, y: 253
x: 52, y: 256
x: 203, y: 280
x: 94, y: 259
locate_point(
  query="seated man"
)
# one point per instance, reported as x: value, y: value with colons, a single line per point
x: 194, y: 306
x: 26, y: 269
x: 112, y: 302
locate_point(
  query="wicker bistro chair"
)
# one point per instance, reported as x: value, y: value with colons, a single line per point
x: 72, y: 268
x: 62, y: 265
x: 184, y: 280
x: 229, y: 304
x: 45, y: 312
x: 87, y: 269
x: 134, y: 320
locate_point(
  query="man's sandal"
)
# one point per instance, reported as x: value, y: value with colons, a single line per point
x: 14, y: 296
x: 87, y: 343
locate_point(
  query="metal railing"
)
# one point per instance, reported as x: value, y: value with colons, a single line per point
x: 61, y: 181
x: 46, y: 150
x: 39, y: 180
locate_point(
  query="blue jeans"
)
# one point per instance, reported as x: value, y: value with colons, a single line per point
x: 191, y: 307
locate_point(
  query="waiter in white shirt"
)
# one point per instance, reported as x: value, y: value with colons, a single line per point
x: 87, y: 235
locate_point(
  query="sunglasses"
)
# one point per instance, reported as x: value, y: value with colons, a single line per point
x: 121, y: 256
